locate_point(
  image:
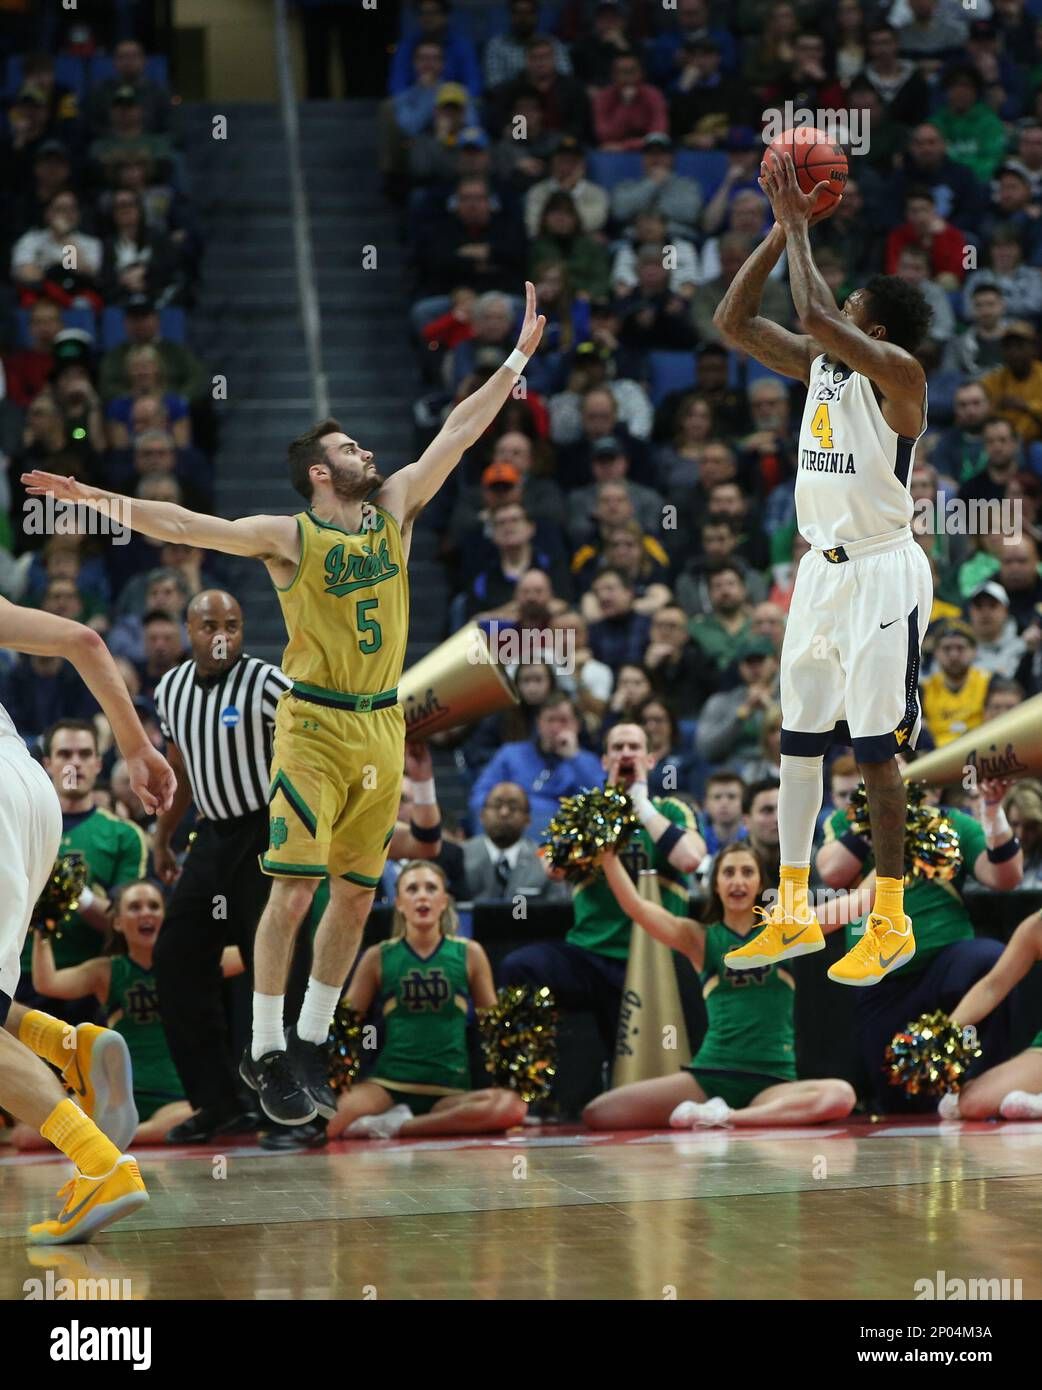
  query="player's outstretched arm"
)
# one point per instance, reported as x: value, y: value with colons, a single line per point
x: 45, y: 634
x: 413, y: 487
x: 1023, y: 950
x: 742, y: 325
x: 257, y: 537
x: 678, y: 933
x: 896, y: 372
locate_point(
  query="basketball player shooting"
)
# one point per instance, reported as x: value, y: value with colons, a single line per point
x: 863, y: 594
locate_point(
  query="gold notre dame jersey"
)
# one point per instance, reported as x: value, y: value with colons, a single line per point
x: 347, y: 607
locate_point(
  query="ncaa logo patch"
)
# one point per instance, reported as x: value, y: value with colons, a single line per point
x: 230, y: 716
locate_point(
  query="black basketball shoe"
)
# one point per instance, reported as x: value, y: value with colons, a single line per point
x: 310, y: 1063
x: 281, y: 1096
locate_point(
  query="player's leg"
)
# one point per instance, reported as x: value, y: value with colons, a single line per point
x: 160, y: 1121
x: 798, y: 1103
x: 812, y: 704
x: 359, y: 1102
x: 490, y: 1111
x: 643, y: 1104
x: 577, y: 979
x: 373, y: 757
x: 1013, y: 1090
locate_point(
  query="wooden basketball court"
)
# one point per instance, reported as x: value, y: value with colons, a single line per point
x: 859, y: 1211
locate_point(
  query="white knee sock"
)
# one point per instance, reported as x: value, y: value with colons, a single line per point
x: 267, y: 1024
x: 799, y: 802
x: 316, y: 1013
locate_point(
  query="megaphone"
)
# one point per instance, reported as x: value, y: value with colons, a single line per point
x: 457, y: 683
x: 650, y: 1004
x: 1009, y: 746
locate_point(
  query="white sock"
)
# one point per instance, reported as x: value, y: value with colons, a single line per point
x: 948, y: 1106
x: 316, y: 1013
x: 385, y: 1126
x: 708, y: 1113
x: 799, y: 801
x: 267, y: 1024
x: 1021, y: 1105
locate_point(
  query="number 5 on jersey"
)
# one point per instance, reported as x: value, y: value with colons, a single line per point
x: 821, y: 426
x: 373, y: 635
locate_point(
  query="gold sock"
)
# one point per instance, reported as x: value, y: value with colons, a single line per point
x: 792, y: 888
x: 79, y: 1138
x: 50, y: 1038
x: 890, y: 900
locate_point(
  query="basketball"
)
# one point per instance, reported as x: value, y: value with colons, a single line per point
x: 815, y: 158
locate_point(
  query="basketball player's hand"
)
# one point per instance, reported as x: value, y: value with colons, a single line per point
x: 532, y: 328
x: 39, y: 484
x: 152, y: 780
x: 789, y: 203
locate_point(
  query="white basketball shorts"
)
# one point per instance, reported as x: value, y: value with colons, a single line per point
x: 30, y: 833
x: 850, y: 659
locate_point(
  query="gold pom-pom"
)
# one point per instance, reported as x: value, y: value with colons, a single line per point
x: 931, y: 1056
x: 344, y: 1046
x: 519, y: 1040
x: 584, y: 827
x: 931, y: 839
x: 61, y: 895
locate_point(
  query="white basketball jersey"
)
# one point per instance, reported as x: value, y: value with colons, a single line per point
x: 854, y: 471
x: 7, y: 728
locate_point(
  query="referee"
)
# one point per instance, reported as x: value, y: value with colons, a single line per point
x: 217, y: 713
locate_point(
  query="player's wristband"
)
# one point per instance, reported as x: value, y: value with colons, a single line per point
x: 86, y: 898
x: 424, y: 793
x: 859, y: 847
x: 517, y: 361
x: 426, y: 834
x: 669, y: 839
x: 1004, y: 852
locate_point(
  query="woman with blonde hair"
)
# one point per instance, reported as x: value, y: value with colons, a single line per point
x: 1023, y: 807
x: 425, y: 978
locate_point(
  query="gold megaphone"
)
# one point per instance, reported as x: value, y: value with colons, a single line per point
x: 454, y: 684
x: 1009, y: 746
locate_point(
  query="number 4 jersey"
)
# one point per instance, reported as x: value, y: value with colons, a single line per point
x: 854, y: 469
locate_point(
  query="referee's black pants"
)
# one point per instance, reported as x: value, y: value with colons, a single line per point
x: 216, y: 902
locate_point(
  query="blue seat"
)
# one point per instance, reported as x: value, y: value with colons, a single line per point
x: 69, y: 71
x: 101, y: 68
x: 708, y: 167
x: 941, y: 389
x: 71, y: 318
x: 670, y: 371
x: 173, y: 326
x: 609, y: 167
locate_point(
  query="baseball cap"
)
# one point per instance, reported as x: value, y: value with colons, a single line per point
x: 754, y: 645
x: 472, y: 138
x: 138, y: 304
x: 451, y: 94
x: 566, y: 144
x: 956, y: 628
x: 657, y: 140
x: 72, y: 345
x: 993, y: 589
x: 48, y: 148
x: 499, y: 474
x: 607, y: 447
x: 1019, y: 328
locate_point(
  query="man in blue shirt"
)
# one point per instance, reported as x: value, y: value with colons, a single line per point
x: 546, y: 767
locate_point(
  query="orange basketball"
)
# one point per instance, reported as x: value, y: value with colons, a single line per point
x: 815, y: 158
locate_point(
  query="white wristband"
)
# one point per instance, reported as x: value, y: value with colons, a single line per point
x: 993, y: 819
x: 517, y: 361
x: 85, y: 899
x: 424, y: 793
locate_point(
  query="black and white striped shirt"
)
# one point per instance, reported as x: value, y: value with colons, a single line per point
x: 223, y: 728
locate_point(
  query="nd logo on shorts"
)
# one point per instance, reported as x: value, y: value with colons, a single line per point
x: 279, y: 832
x: 230, y: 716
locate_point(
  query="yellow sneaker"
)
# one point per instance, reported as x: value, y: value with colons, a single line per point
x: 882, y: 948
x: 784, y: 936
x: 91, y: 1204
x: 101, y: 1079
